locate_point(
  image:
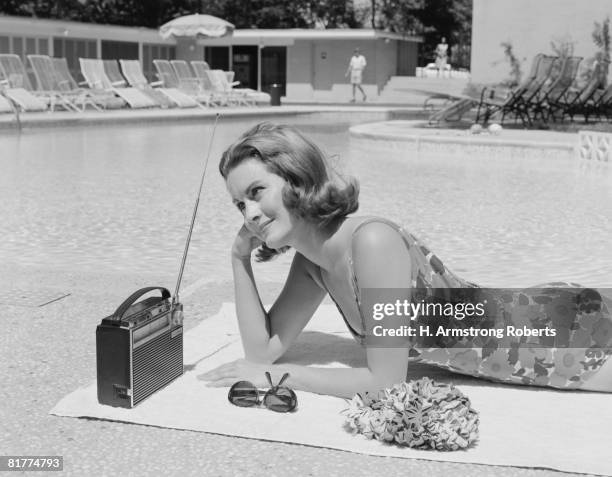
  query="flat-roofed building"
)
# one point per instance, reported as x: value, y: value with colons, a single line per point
x: 308, y: 64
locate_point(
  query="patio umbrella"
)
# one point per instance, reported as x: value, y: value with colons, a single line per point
x: 196, y: 26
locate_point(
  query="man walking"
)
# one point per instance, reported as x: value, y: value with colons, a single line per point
x: 355, y: 69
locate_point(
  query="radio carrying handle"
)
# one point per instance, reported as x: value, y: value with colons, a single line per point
x: 175, y: 298
x: 130, y: 300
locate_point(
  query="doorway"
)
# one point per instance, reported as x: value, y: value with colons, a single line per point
x: 244, y: 65
x: 274, y: 68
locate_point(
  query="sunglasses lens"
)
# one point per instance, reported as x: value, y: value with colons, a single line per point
x: 243, y: 394
x: 280, y: 399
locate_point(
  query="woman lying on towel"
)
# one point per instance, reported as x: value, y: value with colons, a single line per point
x: 289, y: 197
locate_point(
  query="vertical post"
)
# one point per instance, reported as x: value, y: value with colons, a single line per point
x: 259, y: 48
x: 373, y: 14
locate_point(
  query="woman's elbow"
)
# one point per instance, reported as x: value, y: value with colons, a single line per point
x: 263, y: 356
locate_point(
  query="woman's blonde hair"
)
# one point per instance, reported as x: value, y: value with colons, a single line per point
x: 313, y: 192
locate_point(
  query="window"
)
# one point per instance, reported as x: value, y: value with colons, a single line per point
x: 4, y: 44
x: 119, y: 50
x: 217, y: 57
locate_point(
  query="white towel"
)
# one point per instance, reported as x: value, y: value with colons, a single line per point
x: 519, y: 426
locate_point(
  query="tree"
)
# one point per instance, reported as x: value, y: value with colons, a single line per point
x: 601, y: 38
x: 431, y: 19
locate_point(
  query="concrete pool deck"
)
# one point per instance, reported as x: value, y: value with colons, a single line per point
x: 55, y: 354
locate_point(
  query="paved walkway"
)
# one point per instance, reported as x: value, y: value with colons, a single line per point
x: 50, y: 351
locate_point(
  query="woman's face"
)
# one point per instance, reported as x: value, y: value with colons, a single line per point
x: 258, y: 195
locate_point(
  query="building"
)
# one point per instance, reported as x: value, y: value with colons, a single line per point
x: 530, y: 27
x: 308, y: 64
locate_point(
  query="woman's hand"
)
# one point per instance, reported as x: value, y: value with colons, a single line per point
x: 244, y: 243
x: 240, y: 370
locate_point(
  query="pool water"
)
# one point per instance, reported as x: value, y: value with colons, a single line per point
x: 119, y: 199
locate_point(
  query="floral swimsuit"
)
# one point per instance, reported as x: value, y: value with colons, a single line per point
x: 582, y: 317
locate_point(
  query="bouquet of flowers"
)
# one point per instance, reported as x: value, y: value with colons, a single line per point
x: 422, y: 414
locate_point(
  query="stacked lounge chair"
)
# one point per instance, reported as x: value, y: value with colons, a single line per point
x: 45, y: 90
x: 189, y: 86
x: 249, y: 96
x: 111, y: 68
x: 517, y: 100
x: 96, y: 78
x: 562, y: 77
x: 13, y: 82
x: 185, y: 74
x: 584, y: 100
x: 199, y: 66
x: 49, y: 79
x: 221, y: 90
x: 101, y: 98
x: 132, y: 71
x: 601, y: 104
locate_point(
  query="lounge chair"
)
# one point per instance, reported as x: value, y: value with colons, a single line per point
x: 132, y: 71
x: 516, y: 101
x: 111, y: 68
x: 199, y: 66
x: 454, y: 111
x: 543, y: 104
x: 99, y: 97
x: 499, y: 99
x: 582, y: 101
x: 189, y: 86
x: 203, y: 73
x: 184, y: 73
x: 113, y: 73
x: 49, y: 79
x: 20, y: 97
x: 16, y: 77
x: 251, y: 96
x: 600, y: 104
x: 95, y: 76
x: 219, y: 94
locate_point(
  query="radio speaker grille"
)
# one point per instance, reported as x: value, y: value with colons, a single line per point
x: 156, y: 364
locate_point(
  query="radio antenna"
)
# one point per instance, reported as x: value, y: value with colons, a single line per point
x: 195, y: 212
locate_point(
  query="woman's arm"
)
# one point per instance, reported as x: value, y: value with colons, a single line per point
x: 266, y: 336
x: 381, y: 261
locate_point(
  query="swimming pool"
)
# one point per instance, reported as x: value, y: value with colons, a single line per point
x: 119, y: 199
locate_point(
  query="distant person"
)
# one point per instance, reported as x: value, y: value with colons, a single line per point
x: 355, y: 69
x: 441, y: 56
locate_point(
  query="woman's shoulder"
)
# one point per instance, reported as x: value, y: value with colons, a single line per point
x: 379, y: 253
x: 358, y: 224
x: 373, y: 233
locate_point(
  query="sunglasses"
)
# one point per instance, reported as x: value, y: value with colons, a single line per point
x: 278, y: 398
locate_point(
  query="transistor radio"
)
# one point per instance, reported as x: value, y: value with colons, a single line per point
x: 139, y: 348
